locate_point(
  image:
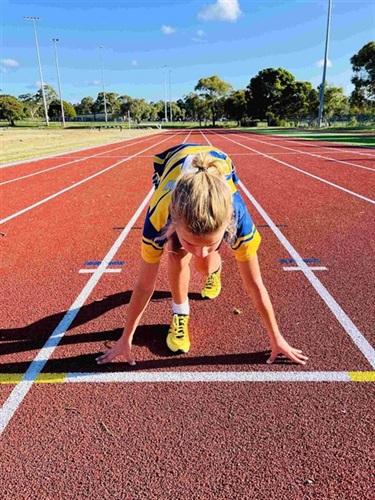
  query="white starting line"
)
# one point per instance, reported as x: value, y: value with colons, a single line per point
x: 192, y: 376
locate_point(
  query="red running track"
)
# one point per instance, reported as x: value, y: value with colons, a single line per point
x: 174, y: 439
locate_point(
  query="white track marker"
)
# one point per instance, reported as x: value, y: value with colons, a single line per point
x: 300, y: 170
x: 6, y: 219
x: 22, y: 388
x: 359, y: 340
x: 152, y: 377
x: 304, y: 152
x: 91, y: 271
x: 313, y: 268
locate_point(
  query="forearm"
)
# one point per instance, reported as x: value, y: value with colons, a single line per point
x: 262, y: 302
x: 252, y: 280
x: 141, y: 296
x: 138, y: 303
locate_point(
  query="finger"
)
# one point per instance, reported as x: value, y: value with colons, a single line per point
x: 294, y: 358
x: 299, y: 354
x: 105, y: 358
x: 272, y: 358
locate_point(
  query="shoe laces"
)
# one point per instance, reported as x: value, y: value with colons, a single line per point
x: 179, y: 323
x: 211, y: 281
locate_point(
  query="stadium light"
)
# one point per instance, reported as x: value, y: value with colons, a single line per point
x: 165, y: 92
x: 54, y: 41
x: 321, y: 93
x: 104, y: 97
x: 170, y: 97
x: 33, y: 19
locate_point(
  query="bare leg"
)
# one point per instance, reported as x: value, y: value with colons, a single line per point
x: 178, y: 271
x: 207, y: 265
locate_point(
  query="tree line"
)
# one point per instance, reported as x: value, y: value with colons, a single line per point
x: 273, y: 95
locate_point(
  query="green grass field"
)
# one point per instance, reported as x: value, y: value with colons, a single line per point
x: 355, y: 136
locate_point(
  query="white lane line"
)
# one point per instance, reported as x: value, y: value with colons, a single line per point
x: 317, y: 144
x: 91, y: 271
x: 6, y: 219
x: 154, y: 377
x: 22, y: 388
x: 304, y: 152
x: 76, y: 160
x: 359, y: 340
x: 372, y: 155
x: 296, y: 268
x: 300, y: 170
x: 357, y: 337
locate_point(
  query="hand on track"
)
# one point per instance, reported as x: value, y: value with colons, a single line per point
x: 121, y: 348
x: 281, y: 346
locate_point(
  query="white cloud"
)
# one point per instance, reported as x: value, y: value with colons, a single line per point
x: 168, y: 30
x: 134, y: 62
x: 8, y: 65
x: 320, y: 63
x: 201, y: 33
x: 222, y: 10
x: 36, y: 85
x: 88, y: 83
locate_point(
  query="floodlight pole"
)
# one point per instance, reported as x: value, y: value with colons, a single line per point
x: 170, y: 97
x: 54, y: 41
x: 321, y: 93
x: 33, y: 19
x: 165, y: 93
x: 104, y: 98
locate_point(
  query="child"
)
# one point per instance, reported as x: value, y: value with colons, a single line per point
x: 196, y: 207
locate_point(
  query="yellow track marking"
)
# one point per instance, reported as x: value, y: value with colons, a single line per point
x: 362, y: 376
x: 10, y: 378
x: 50, y: 378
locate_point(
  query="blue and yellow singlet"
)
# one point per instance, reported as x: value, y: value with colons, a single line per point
x: 167, y: 168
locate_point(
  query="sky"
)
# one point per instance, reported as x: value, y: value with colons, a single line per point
x: 152, y: 49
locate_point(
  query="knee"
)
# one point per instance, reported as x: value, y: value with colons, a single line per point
x: 178, y: 260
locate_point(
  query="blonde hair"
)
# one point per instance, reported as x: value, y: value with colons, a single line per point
x: 201, y: 201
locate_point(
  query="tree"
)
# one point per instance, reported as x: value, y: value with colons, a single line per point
x: 11, y: 109
x: 124, y: 102
x: 49, y: 93
x: 197, y: 108
x: 31, y: 105
x: 363, y: 64
x: 359, y: 103
x: 85, y: 107
x: 336, y: 103
x: 138, y: 109
x: 112, y: 104
x: 176, y: 111
x: 299, y: 100
x: 265, y: 99
x: 54, y: 110
x: 235, y: 106
x: 214, y: 90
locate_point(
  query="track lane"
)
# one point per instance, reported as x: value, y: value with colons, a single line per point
x: 32, y: 166
x: 20, y: 195
x: 353, y: 183
x: 320, y: 230
x: 312, y: 145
